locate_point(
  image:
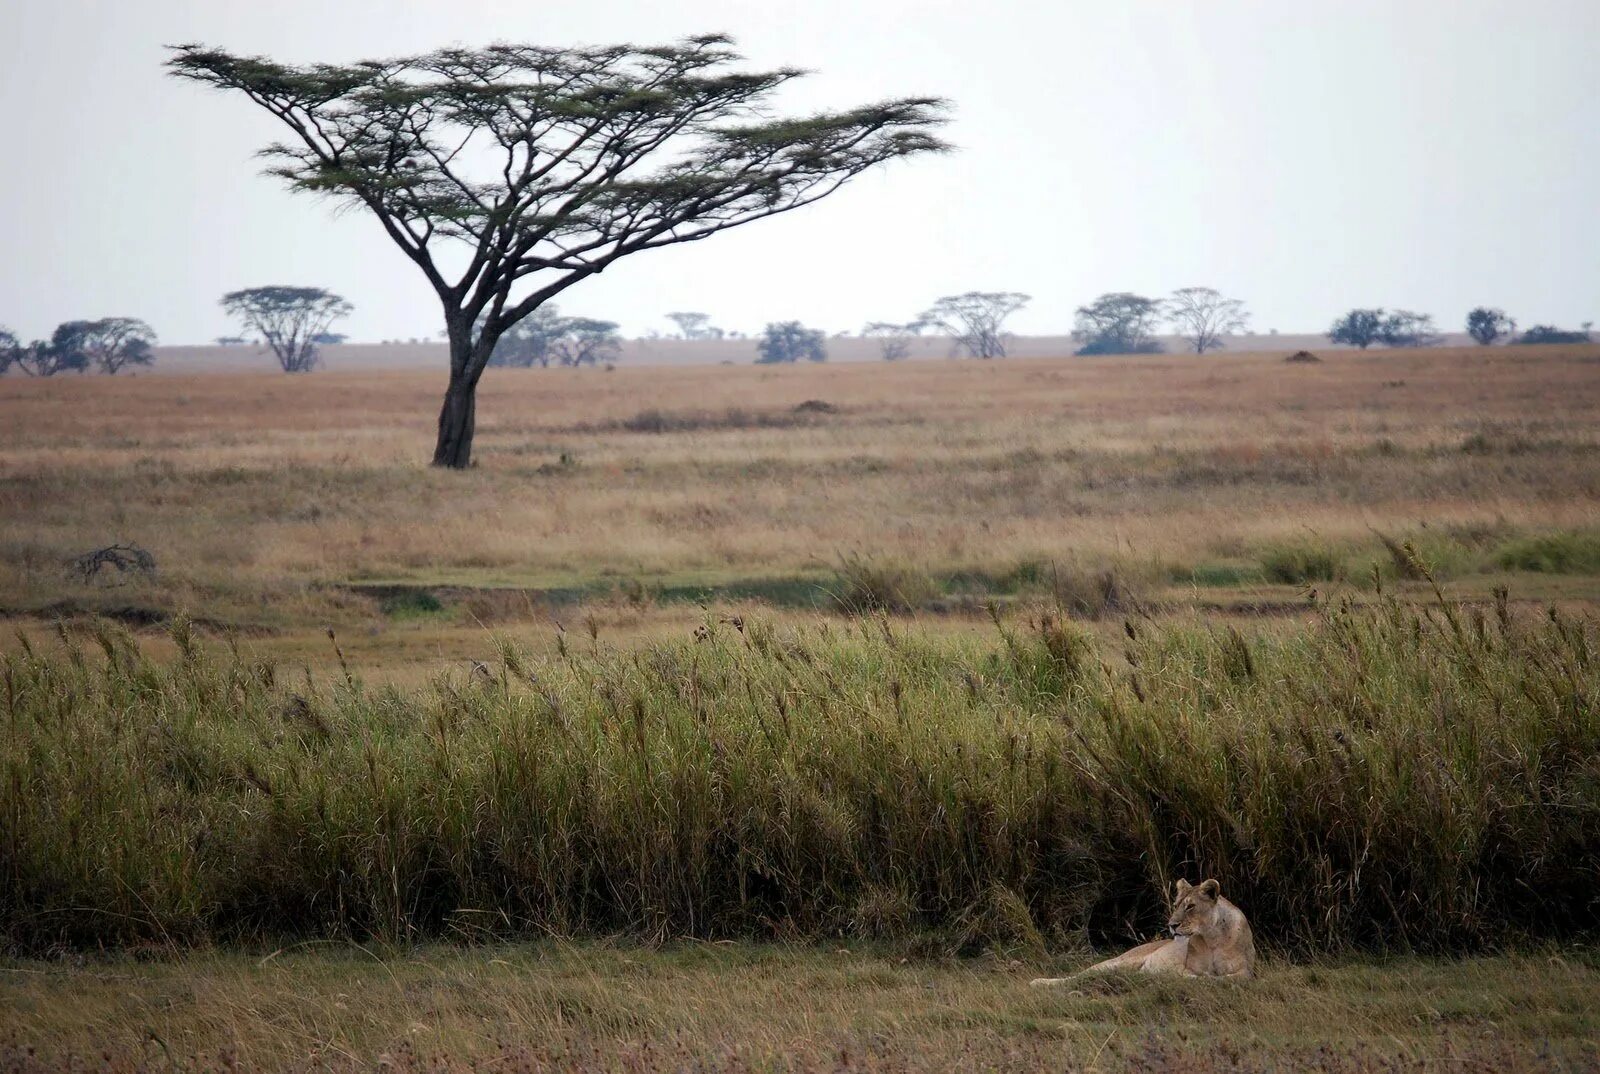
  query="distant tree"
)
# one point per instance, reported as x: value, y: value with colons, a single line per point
x: 529, y: 341
x: 790, y: 341
x: 64, y: 352
x: 695, y: 326
x: 894, y: 340
x: 1549, y: 333
x: 114, y: 342
x: 1203, y: 316
x: 333, y: 339
x: 586, y: 341
x: 1487, y: 325
x: 230, y: 341
x: 1358, y: 328
x: 1403, y: 328
x: 976, y: 320
x: 546, y: 165
x: 8, y: 349
x: 1119, y: 323
x: 289, y: 318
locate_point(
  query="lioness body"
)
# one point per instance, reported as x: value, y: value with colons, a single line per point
x: 1210, y: 938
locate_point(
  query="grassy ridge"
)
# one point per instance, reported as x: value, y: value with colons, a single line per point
x: 1386, y: 776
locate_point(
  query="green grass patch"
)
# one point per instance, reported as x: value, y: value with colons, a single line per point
x: 1552, y: 553
x: 1221, y: 575
x: 1301, y: 563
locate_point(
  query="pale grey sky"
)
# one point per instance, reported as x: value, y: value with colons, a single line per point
x: 1306, y: 157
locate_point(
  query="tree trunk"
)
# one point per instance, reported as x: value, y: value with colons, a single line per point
x: 456, y: 422
x: 457, y: 417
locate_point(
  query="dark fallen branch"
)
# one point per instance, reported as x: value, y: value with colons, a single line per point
x: 126, y: 559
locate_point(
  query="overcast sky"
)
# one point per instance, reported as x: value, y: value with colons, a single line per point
x: 1306, y: 157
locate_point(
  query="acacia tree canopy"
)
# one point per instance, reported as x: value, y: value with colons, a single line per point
x: 112, y: 343
x: 528, y: 342
x: 695, y: 325
x: 542, y: 166
x: 790, y: 341
x: 1358, y: 328
x: 1486, y: 325
x: 977, y: 319
x: 1119, y: 322
x: 1405, y: 328
x: 586, y: 341
x: 894, y: 340
x: 290, y: 319
x: 1203, y: 316
x: 65, y: 351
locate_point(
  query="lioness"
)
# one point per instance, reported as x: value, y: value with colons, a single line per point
x: 1210, y: 938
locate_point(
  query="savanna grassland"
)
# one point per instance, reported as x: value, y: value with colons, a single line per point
x: 273, y: 503
x: 735, y: 717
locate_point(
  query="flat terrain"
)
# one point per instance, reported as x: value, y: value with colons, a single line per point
x: 276, y: 504
x: 716, y: 1007
x: 608, y: 689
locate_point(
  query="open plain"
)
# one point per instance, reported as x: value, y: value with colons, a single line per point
x: 739, y: 717
x: 274, y: 505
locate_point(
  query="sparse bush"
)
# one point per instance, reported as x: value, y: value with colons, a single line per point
x: 1549, y: 333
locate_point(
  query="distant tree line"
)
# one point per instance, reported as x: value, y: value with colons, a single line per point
x: 294, y: 322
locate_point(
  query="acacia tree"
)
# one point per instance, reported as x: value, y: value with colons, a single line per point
x: 112, y: 343
x: 543, y: 166
x: 790, y: 341
x: 1487, y: 325
x: 1119, y: 322
x: 695, y: 326
x: 1403, y: 328
x: 1203, y: 316
x: 529, y: 341
x: 976, y: 320
x: 63, y: 352
x: 290, y: 319
x: 894, y: 340
x: 1358, y: 328
x: 586, y: 341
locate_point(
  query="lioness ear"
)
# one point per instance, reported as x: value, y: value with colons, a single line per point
x: 1211, y: 889
x: 1180, y: 887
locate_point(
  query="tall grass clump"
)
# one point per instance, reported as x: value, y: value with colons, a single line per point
x: 1300, y: 564
x: 1389, y: 776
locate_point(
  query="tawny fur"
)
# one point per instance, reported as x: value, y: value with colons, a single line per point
x: 1210, y: 938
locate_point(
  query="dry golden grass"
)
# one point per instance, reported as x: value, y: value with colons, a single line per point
x: 590, y: 1007
x: 257, y: 491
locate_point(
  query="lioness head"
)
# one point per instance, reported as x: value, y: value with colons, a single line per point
x: 1194, y: 908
